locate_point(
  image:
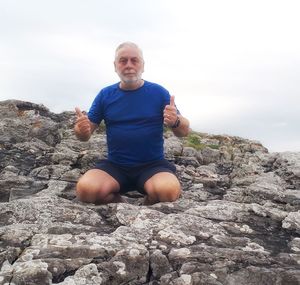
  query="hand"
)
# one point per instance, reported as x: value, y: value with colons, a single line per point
x: 170, y: 113
x: 82, y: 125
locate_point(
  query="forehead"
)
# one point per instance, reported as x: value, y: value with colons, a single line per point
x: 128, y: 52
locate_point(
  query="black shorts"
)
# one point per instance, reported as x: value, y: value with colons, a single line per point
x: 134, y: 178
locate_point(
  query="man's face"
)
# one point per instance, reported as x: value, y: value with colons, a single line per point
x: 129, y: 64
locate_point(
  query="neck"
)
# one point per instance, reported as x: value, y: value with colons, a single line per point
x: 131, y: 85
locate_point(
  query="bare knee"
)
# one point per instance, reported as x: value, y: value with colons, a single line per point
x: 95, y: 186
x: 162, y: 187
x: 84, y: 191
x: 169, y: 193
x: 89, y: 193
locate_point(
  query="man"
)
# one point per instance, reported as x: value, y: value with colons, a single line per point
x: 134, y: 111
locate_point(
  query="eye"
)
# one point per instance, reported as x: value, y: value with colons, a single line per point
x: 123, y: 60
x: 135, y: 60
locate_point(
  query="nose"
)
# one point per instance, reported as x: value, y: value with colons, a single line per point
x: 128, y: 64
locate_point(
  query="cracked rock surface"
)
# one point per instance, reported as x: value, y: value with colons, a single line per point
x: 236, y: 222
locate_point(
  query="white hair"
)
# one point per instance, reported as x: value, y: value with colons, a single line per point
x: 130, y: 44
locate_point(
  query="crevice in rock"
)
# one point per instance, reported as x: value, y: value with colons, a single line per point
x: 31, y: 161
x: 271, y: 235
x: 60, y: 278
x: 76, y: 165
x: 23, y: 246
x: 149, y: 274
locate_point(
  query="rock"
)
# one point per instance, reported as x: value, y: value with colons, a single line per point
x: 173, y: 147
x: 236, y: 222
x: 30, y: 272
x: 254, y: 275
x: 292, y: 221
x: 87, y: 274
x: 210, y: 155
x: 295, y: 245
x: 287, y: 166
x: 221, y: 210
x: 159, y: 264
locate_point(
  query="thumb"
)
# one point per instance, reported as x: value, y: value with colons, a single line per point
x: 172, y: 101
x: 78, y: 112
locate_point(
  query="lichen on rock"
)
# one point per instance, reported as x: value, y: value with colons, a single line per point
x: 236, y: 222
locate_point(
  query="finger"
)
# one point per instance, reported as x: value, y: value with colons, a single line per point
x: 83, y: 124
x: 168, y: 123
x: 169, y: 118
x: 78, y: 112
x: 171, y: 115
x: 170, y: 109
x: 172, y: 101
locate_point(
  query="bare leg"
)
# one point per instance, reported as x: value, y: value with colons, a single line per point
x: 162, y: 187
x: 97, y: 186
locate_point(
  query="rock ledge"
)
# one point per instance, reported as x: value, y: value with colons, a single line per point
x: 237, y: 222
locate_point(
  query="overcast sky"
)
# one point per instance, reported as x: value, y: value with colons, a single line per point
x: 233, y: 66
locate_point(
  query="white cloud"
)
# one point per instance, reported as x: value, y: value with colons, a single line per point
x: 232, y: 65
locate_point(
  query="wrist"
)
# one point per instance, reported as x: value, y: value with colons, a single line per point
x: 83, y: 137
x: 80, y: 135
x: 176, y: 124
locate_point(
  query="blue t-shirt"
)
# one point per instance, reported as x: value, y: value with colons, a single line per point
x: 134, y: 122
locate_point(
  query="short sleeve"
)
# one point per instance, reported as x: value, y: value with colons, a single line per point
x: 95, y: 113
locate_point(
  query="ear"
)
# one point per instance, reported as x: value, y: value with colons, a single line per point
x: 115, y: 66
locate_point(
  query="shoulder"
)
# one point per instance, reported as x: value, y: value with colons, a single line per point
x: 110, y: 89
x: 155, y: 86
x: 157, y: 89
x: 106, y: 91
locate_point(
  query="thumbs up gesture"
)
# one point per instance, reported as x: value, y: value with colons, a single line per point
x: 170, y: 113
x: 82, y: 125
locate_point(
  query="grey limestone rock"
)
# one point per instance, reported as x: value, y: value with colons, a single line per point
x: 236, y: 222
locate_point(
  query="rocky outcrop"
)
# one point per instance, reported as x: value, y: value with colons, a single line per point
x: 237, y: 221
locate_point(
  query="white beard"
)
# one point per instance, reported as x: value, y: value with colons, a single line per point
x: 130, y: 79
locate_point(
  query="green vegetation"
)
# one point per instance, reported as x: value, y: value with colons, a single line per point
x: 213, y: 146
x: 194, y: 140
x: 101, y: 128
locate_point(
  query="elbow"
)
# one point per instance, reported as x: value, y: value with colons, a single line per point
x: 182, y: 133
x: 185, y: 132
x: 186, y: 129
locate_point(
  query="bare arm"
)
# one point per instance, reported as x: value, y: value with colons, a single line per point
x: 184, y: 127
x: 83, y: 127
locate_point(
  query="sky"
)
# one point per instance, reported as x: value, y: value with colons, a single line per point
x: 233, y: 66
